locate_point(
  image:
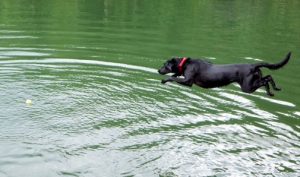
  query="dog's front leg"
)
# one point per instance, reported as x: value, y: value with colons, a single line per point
x: 175, y: 75
x: 182, y: 81
x: 169, y: 79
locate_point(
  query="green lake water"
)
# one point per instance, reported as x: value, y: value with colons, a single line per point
x: 99, y: 109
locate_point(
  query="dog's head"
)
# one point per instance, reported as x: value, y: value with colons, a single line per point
x: 169, y: 67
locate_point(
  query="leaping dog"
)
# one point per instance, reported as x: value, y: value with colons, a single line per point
x: 208, y: 75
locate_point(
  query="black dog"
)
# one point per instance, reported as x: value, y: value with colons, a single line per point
x: 207, y: 75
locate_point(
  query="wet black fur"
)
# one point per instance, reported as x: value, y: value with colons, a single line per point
x: 208, y: 75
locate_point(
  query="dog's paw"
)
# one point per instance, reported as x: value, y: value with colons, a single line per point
x: 271, y: 94
x: 277, y: 89
x: 163, y: 81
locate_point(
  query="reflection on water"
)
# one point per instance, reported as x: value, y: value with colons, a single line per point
x: 99, y: 109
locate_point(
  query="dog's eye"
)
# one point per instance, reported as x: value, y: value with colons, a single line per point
x: 169, y: 66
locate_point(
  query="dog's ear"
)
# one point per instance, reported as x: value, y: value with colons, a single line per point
x: 169, y: 64
x: 173, y: 60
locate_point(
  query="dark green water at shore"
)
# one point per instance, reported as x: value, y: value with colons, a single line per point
x: 98, y: 108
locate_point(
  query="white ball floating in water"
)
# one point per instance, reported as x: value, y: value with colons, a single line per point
x: 28, y: 101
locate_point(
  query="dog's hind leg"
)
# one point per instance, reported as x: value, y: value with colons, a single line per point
x: 251, y: 84
x: 271, y: 80
x: 268, y: 88
x: 263, y: 82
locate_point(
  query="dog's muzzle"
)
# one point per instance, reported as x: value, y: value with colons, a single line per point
x: 162, y: 71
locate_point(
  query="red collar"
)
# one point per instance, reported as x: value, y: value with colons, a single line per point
x: 180, y: 66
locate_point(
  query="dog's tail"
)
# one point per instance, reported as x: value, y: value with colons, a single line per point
x: 275, y: 66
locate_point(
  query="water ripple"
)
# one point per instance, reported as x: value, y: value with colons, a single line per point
x: 121, y: 114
